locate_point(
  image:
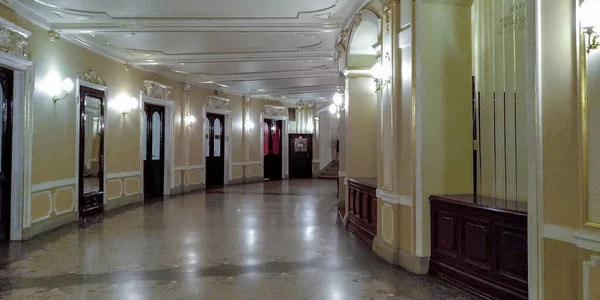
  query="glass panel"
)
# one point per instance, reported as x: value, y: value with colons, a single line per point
x: 144, y: 135
x: 217, y: 138
x: 266, y: 137
x: 156, y: 133
x: 1, y: 116
x: 91, y: 152
x: 275, y: 137
x: 300, y: 144
x: 206, y: 135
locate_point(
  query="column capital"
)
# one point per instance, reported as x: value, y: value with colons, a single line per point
x: 186, y: 88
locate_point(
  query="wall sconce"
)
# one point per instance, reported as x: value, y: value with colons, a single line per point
x: 126, y: 104
x: 249, y: 126
x: 381, y: 79
x: 189, y: 119
x: 589, y: 10
x: 67, y: 87
x: 337, y: 106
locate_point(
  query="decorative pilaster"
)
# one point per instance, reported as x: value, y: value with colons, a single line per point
x: 187, y: 110
x: 248, y: 126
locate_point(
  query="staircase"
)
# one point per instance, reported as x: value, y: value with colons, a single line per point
x: 331, y: 171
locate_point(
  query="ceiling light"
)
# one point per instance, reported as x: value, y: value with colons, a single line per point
x: 282, y: 97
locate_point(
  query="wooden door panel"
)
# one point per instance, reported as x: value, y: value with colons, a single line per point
x: 215, y: 160
x: 6, y: 84
x: 154, y: 155
x: 300, y: 155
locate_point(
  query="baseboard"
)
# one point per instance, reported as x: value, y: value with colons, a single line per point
x: 49, y: 225
x: 193, y: 188
x: 118, y: 203
x: 239, y: 181
x: 412, y: 263
x: 177, y: 190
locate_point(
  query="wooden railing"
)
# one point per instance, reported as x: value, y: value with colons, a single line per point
x: 362, y: 208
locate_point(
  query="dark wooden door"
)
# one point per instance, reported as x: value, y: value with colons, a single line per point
x: 301, y: 155
x: 214, y: 143
x: 272, y: 134
x: 154, y: 150
x: 91, y: 155
x: 6, y: 84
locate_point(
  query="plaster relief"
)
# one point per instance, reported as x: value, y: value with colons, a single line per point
x: 195, y: 176
x: 41, y: 206
x: 64, y: 200
x: 114, y: 189
x: 387, y: 223
x: 132, y: 186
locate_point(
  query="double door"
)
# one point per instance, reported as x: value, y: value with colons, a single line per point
x: 214, y: 150
x: 153, y: 153
x: 272, y: 139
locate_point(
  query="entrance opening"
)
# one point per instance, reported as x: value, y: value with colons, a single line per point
x: 272, y: 131
x: 91, y: 155
x: 214, y: 150
x: 6, y: 86
x: 153, y: 150
x: 301, y: 155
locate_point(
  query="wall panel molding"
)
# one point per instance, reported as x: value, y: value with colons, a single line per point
x: 582, y: 239
x: 52, y: 184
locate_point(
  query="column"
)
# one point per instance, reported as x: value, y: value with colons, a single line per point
x: 247, y: 128
x: 187, y: 96
x: 395, y: 240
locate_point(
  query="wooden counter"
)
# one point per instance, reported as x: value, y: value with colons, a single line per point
x: 480, y: 244
x: 362, y: 210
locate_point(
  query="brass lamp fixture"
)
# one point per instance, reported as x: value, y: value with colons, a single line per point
x: 66, y: 87
x: 589, y: 10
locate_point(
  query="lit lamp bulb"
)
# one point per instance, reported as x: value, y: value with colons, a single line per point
x: 333, y: 108
x: 377, y: 71
x: 190, y: 119
x: 67, y: 85
x: 338, y: 99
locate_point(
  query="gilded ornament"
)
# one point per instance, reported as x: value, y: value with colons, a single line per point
x: 92, y: 77
x: 54, y: 36
x: 157, y: 90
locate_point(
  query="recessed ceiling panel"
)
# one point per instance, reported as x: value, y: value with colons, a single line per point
x: 194, y: 9
x: 277, y: 84
x: 228, y: 68
x: 190, y: 43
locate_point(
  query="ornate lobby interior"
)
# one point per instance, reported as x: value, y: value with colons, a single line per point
x: 285, y: 149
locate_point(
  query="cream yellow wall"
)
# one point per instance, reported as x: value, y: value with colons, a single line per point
x: 361, y: 128
x: 562, y: 197
x: 447, y: 160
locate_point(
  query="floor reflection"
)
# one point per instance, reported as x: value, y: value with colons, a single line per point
x: 271, y: 240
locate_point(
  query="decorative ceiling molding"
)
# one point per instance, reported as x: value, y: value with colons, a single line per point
x: 265, y: 75
x: 195, y: 26
x: 317, y: 14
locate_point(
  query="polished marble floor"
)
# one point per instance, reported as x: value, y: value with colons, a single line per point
x: 274, y: 240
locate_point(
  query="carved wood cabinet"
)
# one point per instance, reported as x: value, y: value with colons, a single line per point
x: 479, y: 248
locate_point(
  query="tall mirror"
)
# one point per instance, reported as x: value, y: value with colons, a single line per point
x: 91, y: 152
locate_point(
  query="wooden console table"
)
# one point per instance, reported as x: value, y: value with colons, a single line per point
x: 480, y: 244
x: 362, y: 210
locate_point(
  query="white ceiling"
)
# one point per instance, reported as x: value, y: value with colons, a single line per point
x: 278, y: 49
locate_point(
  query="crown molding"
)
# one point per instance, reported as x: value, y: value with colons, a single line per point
x: 264, y: 75
x: 27, y: 13
x: 197, y: 26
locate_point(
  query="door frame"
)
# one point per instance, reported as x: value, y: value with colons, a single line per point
x: 22, y: 137
x: 228, y: 166
x: 168, y: 181
x: 285, y: 144
x: 78, y: 84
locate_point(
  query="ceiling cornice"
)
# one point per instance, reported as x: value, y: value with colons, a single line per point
x: 264, y: 75
x: 28, y: 14
x: 195, y: 26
